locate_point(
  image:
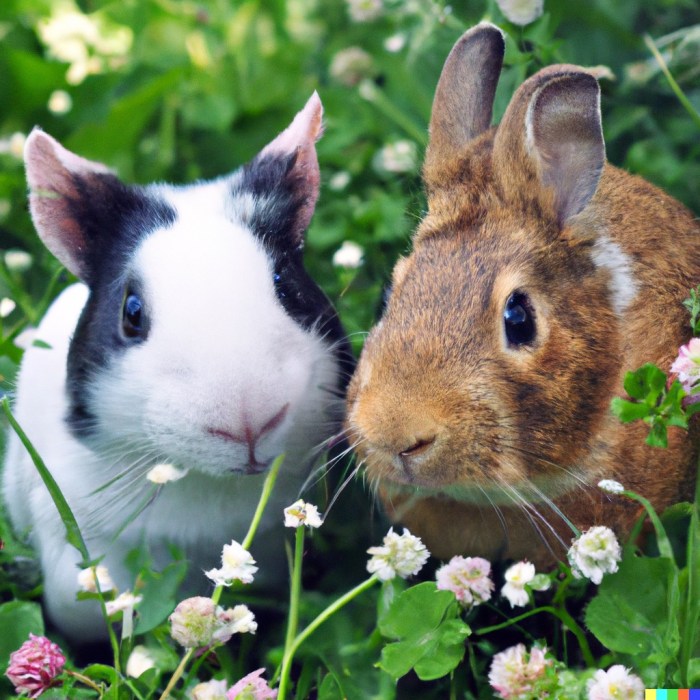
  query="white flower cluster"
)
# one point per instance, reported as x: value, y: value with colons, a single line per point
x: 198, y: 622
x: 163, y: 473
x: 468, y: 578
x: 515, y: 671
x: 617, y: 683
x: 302, y: 513
x: 519, y: 577
x: 611, y: 486
x: 400, y: 555
x: 237, y: 564
x: 595, y: 553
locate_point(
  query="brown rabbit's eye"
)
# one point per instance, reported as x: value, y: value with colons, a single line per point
x: 519, y: 320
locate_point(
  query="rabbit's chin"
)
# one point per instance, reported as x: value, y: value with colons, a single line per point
x: 487, y: 492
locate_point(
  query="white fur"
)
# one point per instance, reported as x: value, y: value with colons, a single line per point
x: 221, y: 353
x: 623, y: 288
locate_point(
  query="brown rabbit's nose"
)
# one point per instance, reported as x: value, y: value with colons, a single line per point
x: 416, y: 449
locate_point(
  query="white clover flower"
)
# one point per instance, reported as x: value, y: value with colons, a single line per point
x: 395, y: 43
x: 400, y: 555
x: 339, y: 181
x: 7, y: 306
x: 14, y: 145
x: 521, y: 12
x: 349, y: 66
x: 364, y: 10
x: 124, y: 602
x: 198, y: 622
x: 60, y: 102
x: 163, y: 473
x: 18, y: 260
x: 368, y: 90
x: 595, y: 553
x: 398, y: 157
x: 302, y: 513
x: 88, y: 43
x: 88, y: 579
x: 517, y: 576
x: 514, y: 672
x: 237, y: 620
x: 193, y: 622
x: 349, y: 255
x: 237, y: 564
x: 611, y: 486
x: 211, y: 690
x: 468, y: 578
x: 617, y: 683
x: 140, y: 661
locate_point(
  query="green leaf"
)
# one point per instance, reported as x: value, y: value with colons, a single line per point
x: 658, y: 435
x: 159, y: 595
x: 628, y: 411
x: 631, y: 615
x: 400, y: 657
x: 448, y: 653
x: 646, y: 383
x: 418, y: 609
x: 17, y: 619
x: 432, y: 635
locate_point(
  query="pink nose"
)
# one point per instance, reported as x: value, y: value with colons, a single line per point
x: 251, y: 434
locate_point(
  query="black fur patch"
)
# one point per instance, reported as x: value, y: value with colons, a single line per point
x: 280, y: 191
x: 114, y: 218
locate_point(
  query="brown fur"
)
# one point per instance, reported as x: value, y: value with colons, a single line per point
x: 436, y: 380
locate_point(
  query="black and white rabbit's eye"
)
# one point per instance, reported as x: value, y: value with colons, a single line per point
x: 279, y: 286
x: 519, y: 320
x: 133, y: 316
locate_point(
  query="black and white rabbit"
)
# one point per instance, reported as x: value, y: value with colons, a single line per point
x: 196, y: 339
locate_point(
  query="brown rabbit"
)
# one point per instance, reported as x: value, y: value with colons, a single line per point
x: 539, y: 276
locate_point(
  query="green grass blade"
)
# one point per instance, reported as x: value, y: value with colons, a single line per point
x: 73, y: 534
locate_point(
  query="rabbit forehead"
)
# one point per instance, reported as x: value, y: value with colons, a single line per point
x: 207, y: 268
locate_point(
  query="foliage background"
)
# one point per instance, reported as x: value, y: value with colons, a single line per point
x: 177, y: 90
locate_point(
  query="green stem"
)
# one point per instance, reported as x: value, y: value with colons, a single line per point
x: 177, y: 674
x: 73, y: 534
x: 374, y: 94
x: 312, y: 627
x: 87, y: 681
x: 262, y: 503
x: 665, y: 549
x: 268, y: 485
x: 694, y: 115
x: 295, y: 594
x: 560, y: 613
x: 691, y: 615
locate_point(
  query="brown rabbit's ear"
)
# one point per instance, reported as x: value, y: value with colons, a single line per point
x: 463, y: 103
x: 551, y: 137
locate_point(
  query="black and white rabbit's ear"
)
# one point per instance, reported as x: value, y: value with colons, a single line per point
x: 85, y: 215
x: 285, y: 176
x: 463, y: 103
x: 58, y: 180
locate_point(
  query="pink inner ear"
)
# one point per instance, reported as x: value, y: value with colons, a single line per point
x: 306, y: 128
x: 300, y: 137
x: 50, y: 175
